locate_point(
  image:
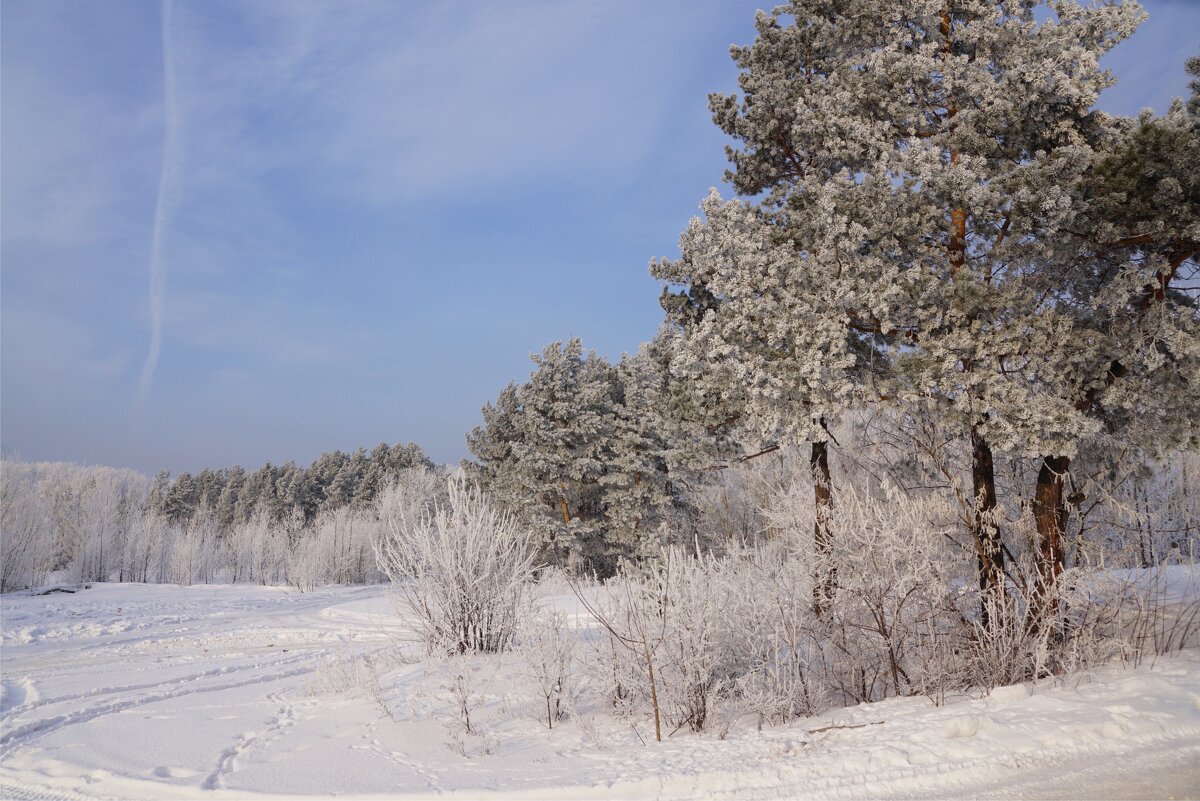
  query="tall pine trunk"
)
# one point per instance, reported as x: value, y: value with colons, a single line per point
x: 989, y: 550
x: 826, y: 579
x: 1050, y: 516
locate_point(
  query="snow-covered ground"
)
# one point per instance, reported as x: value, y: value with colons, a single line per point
x: 140, y: 691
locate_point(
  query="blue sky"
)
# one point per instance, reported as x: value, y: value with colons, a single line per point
x: 362, y: 216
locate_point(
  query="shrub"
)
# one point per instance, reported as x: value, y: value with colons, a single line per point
x: 465, y: 570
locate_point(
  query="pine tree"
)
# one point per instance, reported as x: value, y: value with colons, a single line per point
x: 598, y: 460
x: 227, y: 502
x: 656, y: 458
x: 341, y: 489
x: 182, y: 499
x: 913, y: 166
x: 156, y: 500
x: 542, y: 451
x: 1129, y: 362
x: 369, y: 487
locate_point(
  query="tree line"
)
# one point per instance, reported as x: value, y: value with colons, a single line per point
x: 335, y: 480
x: 277, y: 524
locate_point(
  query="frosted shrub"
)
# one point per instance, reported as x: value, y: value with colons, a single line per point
x: 895, y: 581
x: 695, y: 655
x: 776, y: 636
x: 465, y: 570
x: 634, y: 613
x: 344, y: 673
x: 352, y: 674
x: 547, y: 650
x: 1135, y: 614
x: 670, y: 640
x: 616, y: 673
x: 1142, y: 514
x: 894, y: 600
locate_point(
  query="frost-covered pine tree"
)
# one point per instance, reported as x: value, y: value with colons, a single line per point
x: 751, y: 340
x: 227, y: 500
x: 913, y: 167
x: 596, y: 459
x: 657, y: 455
x: 541, y: 451
x: 1128, y: 360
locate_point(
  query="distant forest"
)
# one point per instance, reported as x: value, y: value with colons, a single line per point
x: 335, y: 480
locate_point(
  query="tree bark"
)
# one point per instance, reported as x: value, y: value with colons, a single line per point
x: 1050, y: 512
x: 1050, y: 516
x: 653, y: 691
x: 562, y: 499
x: 826, y: 578
x: 989, y: 550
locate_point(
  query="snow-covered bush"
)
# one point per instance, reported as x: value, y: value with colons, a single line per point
x: 776, y: 637
x: 546, y: 646
x: 695, y: 655
x: 670, y: 636
x: 353, y: 673
x: 465, y: 569
x: 1138, y: 513
x: 897, y: 592
x: 634, y: 613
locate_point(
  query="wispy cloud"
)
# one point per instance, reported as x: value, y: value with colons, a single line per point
x: 168, y: 198
x: 385, y: 103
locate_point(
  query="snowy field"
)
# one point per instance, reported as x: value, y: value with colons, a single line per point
x: 157, y: 691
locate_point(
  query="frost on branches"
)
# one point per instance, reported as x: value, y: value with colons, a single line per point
x: 464, y: 569
x: 591, y: 456
x: 942, y: 223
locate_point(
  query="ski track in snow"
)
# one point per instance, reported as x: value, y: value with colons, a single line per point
x: 96, y: 686
x: 23, y: 735
x: 272, y: 642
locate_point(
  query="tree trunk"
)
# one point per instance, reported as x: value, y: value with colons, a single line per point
x: 562, y: 498
x: 1050, y: 512
x: 826, y: 578
x: 1050, y: 516
x: 989, y: 550
x: 653, y: 690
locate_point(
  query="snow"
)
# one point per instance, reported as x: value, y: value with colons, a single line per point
x: 221, y: 692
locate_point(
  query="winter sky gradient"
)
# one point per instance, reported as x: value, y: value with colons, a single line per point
x: 247, y: 232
